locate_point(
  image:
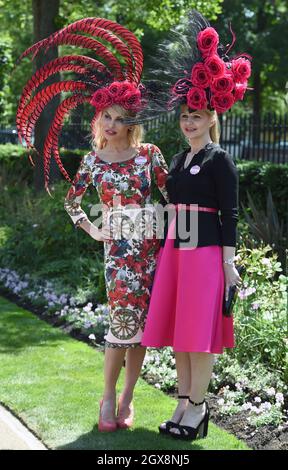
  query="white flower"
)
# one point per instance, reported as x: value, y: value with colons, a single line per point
x: 244, y: 293
x: 221, y: 401
x: 271, y: 391
x: 92, y: 336
x: 257, y: 399
x: 238, y: 385
x: 158, y: 386
x: 279, y: 397
x: 246, y: 406
x: 35, y: 225
x: 87, y: 308
x: 266, y: 406
x: 266, y: 261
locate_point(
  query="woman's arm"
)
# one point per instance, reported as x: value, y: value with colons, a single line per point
x: 160, y: 170
x: 226, y: 184
x: 72, y: 203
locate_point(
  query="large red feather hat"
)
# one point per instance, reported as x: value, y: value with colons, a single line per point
x: 101, y: 81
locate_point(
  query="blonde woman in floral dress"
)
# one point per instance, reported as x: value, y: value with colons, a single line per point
x: 121, y: 166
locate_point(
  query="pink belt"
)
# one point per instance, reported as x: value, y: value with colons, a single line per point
x: 194, y: 207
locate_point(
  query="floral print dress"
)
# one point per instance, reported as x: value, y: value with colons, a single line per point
x: 130, y: 262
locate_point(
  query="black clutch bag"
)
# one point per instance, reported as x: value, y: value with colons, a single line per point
x: 232, y: 295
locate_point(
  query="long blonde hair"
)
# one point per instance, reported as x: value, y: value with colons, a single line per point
x: 214, y: 130
x: 135, y: 135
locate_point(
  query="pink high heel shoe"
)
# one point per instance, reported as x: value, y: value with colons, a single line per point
x: 105, y: 426
x: 125, y: 423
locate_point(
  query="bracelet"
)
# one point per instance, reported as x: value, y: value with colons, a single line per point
x: 229, y: 261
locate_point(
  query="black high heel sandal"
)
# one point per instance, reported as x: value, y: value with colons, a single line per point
x: 171, y: 424
x: 187, y: 432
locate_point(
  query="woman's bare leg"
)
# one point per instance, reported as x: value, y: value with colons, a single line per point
x: 134, y: 361
x: 113, y: 363
x: 184, y: 384
x: 201, y: 372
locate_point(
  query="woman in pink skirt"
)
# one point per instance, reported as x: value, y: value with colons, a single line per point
x: 196, y: 262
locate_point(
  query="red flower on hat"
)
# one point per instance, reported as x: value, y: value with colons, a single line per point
x: 118, y: 89
x: 215, y: 66
x: 241, y: 69
x: 131, y: 100
x: 101, y: 99
x: 223, y: 84
x: 207, y: 41
x: 221, y: 102
x: 199, y: 76
x: 196, y: 98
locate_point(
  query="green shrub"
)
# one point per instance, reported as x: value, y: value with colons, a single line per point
x: 38, y: 237
x: 257, y: 177
x: 260, y: 312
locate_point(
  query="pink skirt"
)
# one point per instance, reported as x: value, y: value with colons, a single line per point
x: 185, y: 309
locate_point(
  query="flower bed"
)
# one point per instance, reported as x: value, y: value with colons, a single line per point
x: 248, y: 383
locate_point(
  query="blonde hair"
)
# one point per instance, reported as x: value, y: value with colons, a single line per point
x: 214, y: 130
x: 135, y: 135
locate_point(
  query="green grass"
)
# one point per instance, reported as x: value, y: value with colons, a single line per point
x: 54, y: 384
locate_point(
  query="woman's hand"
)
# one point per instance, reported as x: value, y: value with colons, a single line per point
x: 232, y: 278
x: 103, y: 235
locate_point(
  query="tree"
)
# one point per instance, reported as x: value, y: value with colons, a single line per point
x: 261, y: 30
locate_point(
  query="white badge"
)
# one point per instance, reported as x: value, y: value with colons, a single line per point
x: 194, y: 169
x: 140, y: 160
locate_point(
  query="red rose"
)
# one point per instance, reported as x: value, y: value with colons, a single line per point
x: 135, y: 182
x: 239, y: 92
x: 131, y: 299
x: 161, y: 176
x: 131, y: 100
x: 123, y: 303
x: 207, y: 41
x: 118, y: 89
x: 101, y: 99
x: 223, y: 84
x: 215, y: 66
x: 199, y: 76
x: 196, y: 98
x: 241, y: 69
x: 222, y: 102
x: 107, y: 196
x: 121, y: 285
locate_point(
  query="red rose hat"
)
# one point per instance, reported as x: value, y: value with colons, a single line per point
x: 214, y: 81
x: 192, y: 67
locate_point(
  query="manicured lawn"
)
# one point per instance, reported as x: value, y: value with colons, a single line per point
x: 54, y: 383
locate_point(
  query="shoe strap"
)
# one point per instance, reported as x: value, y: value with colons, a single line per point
x: 184, y: 397
x: 196, y: 404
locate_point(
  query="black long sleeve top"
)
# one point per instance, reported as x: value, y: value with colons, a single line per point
x: 210, y: 180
